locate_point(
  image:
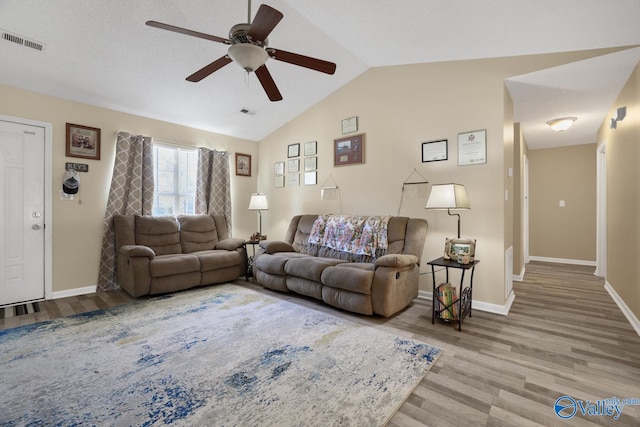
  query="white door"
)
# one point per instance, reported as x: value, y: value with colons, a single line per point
x: 22, y: 208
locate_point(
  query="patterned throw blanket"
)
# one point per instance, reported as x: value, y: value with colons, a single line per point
x: 354, y: 238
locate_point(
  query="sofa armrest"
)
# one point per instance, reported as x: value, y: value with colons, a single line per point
x: 137, y: 251
x: 274, y: 246
x: 230, y: 244
x: 396, y: 260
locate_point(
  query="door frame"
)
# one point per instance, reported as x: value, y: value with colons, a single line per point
x: 48, y: 211
x: 601, y: 210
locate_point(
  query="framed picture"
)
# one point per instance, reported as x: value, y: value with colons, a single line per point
x: 310, y: 178
x: 294, y: 179
x: 243, y: 164
x: 310, y: 163
x: 294, y: 165
x: 293, y: 150
x: 311, y: 148
x: 278, y: 181
x: 349, y: 125
x: 472, y: 148
x: 278, y: 168
x: 435, y: 151
x: 349, y: 150
x: 462, y: 251
x: 83, y: 142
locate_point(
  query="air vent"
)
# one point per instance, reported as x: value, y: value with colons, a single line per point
x: 14, y: 38
x: 247, y: 111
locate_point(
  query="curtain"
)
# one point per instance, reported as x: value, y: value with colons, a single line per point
x: 213, y: 190
x: 131, y: 193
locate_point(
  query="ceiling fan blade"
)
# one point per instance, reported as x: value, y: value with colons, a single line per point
x: 264, y: 22
x: 303, y: 61
x: 268, y: 84
x: 187, y: 32
x: 209, y: 69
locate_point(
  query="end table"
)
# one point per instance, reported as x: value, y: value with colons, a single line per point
x: 465, y: 295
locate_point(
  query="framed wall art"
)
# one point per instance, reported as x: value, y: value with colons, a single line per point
x: 348, y: 150
x: 349, y: 125
x: 310, y: 163
x: 310, y: 178
x: 435, y: 151
x: 278, y: 168
x: 278, y: 181
x: 243, y: 164
x: 294, y: 165
x: 83, y: 142
x: 293, y: 150
x: 472, y: 148
x: 311, y: 148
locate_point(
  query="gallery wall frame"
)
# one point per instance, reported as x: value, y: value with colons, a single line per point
x: 435, y: 151
x: 243, y: 164
x: 472, y: 148
x: 348, y: 150
x: 83, y: 142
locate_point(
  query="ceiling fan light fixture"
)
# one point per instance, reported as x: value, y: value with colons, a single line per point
x: 562, y: 123
x: 248, y: 56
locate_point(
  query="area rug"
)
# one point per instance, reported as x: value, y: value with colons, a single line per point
x: 219, y: 356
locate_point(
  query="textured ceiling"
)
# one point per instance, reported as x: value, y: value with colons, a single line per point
x: 101, y: 53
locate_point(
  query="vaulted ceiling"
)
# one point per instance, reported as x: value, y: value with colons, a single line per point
x: 102, y: 53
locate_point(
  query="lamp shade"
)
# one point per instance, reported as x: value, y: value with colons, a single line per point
x: 448, y: 196
x: 250, y: 57
x: 258, y: 202
x: 561, y: 124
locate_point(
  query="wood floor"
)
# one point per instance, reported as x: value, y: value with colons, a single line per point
x: 563, y: 336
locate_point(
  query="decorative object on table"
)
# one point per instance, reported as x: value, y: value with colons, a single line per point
x: 278, y: 168
x: 463, y: 251
x: 256, y: 237
x: 448, y: 196
x: 413, y: 188
x: 83, y: 142
x: 310, y: 178
x: 243, y: 164
x: 310, y: 163
x: 348, y: 150
x: 294, y: 165
x: 349, y: 125
x: 259, y: 203
x: 311, y: 148
x: 472, y: 148
x: 223, y: 355
x: 249, y: 48
x: 293, y: 150
x: 435, y: 151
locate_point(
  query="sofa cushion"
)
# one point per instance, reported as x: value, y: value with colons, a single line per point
x: 274, y: 264
x: 160, y: 233
x: 354, y: 277
x: 167, y: 265
x: 396, y: 233
x: 197, y: 233
x: 310, y: 267
x: 215, y: 259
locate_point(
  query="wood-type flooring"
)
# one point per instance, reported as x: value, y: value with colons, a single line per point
x: 564, y: 336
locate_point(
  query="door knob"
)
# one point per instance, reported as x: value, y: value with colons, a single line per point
x: 35, y: 227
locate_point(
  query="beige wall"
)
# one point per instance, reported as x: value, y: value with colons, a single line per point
x: 398, y: 108
x: 78, y: 224
x: 569, y: 174
x: 623, y: 196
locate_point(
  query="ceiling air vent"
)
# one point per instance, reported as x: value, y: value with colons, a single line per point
x: 247, y: 111
x: 20, y: 40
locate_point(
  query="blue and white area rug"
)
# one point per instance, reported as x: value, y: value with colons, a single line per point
x: 218, y: 356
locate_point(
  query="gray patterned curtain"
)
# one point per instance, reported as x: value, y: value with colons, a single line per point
x: 131, y: 193
x: 213, y: 190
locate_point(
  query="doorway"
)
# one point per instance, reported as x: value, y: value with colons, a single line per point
x: 25, y: 192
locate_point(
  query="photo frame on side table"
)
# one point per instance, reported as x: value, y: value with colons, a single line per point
x: 348, y: 150
x: 243, y: 164
x: 462, y: 251
x: 83, y: 142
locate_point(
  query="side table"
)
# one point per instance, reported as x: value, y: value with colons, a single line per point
x: 253, y: 243
x: 465, y: 295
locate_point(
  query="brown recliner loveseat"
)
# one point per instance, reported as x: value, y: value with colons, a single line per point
x: 381, y: 285
x: 165, y: 253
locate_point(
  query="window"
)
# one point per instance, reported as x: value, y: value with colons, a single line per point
x: 174, y: 175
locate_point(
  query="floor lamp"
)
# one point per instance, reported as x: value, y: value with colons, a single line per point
x: 448, y: 196
x: 259, y: 203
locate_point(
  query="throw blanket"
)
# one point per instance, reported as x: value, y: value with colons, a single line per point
x: 350, y: 237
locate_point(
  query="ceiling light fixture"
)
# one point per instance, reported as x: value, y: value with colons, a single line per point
x: 562, y: 123
x: 249, y: 56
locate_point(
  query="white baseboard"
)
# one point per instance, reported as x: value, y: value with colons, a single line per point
x: 563, y: 261
x: 520, y: 277
x: 74, y: 292
x: 479, y: 305
x: 635, y: 323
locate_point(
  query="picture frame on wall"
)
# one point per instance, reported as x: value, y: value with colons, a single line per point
x: 311, y: 148
x: 310, y: 163
x: 348, y: 150
x: 83, y: 142
x: 310, y: 178
x: 294, y: 179
x: 243, y: 164
x: 294, y: 165
x: 472, y: 148
x: 293, y: 150
x: 435, y: 151
x: 278, y: 181
x: 278, y: 168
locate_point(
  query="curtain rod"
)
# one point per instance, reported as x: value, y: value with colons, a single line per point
x: 171, y: 143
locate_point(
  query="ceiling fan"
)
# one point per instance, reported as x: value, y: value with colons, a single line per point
x: 249, y: 48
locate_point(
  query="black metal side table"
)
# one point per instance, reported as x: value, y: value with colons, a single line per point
x: 465, y: 295
x: 253, y: 243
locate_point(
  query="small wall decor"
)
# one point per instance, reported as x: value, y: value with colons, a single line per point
x: 294, y: 179
x: 310, y: 178
x: 311, y: 148
x: 349, y: 125
x: 310, y: 163
x: 83, y: 142
x: 278, y: 168
x: 348, y: 150
x: 435, y: 151
x: 294, y: 165
x: 472, y: 148
x: 243, y: 164
x: 278, y: 181
x: 293, y: 150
